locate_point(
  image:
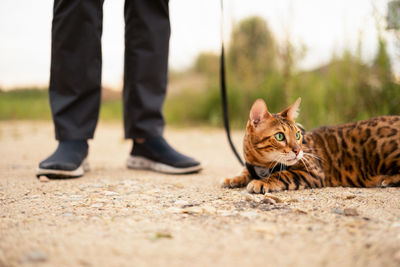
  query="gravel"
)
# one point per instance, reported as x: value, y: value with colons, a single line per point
x: 119, y: 217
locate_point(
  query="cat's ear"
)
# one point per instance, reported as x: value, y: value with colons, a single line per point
x: 292, y: 112
x: 258, y: 112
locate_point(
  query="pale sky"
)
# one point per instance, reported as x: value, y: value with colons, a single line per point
x: 324, y: 26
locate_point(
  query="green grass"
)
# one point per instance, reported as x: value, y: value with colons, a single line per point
x: 24, y: 104
x: 33, y: 104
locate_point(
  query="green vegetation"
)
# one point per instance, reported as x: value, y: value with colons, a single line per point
x: 345, y: 89
x: 33, y: 104
x: 24, y: 104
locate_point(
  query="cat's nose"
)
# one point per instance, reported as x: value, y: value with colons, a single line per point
x: 296, y: 150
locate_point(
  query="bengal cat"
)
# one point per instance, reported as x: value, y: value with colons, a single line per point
x: 280, y: 155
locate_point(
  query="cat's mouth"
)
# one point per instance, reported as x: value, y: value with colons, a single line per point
x: 293, y: 159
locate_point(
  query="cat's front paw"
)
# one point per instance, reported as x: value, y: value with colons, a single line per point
x: 238, y: 181
x: 257, y: 187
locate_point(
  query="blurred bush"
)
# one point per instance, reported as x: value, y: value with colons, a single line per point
x: 345, y: 89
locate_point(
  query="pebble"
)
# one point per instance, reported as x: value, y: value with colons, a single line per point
x: 337, y: 211
x: 275, y: 198
x: 179, y: 185
x: 68, y: 215
x: 44, y: 179
x: 300, y: 211
x: 226, y: 212
x: 266, y: 229
x: 97, y: 205
x: 82, y: 187
x: 110, y: 193
x: 174, y: 210
x: 196, y: 210
x: 75, y: 197
x: 350, y: 212
x: 181, y: 202
x: 396, y: 224
x: 209, y: 209
x: 268, y: 200
x: 35, y: 256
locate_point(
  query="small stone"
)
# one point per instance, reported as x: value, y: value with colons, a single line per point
x: 277, y: 199
x: 350, y: 197
x: 337, y: 211
x: 300, y: 211
x: 396, y: 224
x: 266, y: 229
x: 97, y: 205
x: 350, y: 212
x: 192, y: 210
x: 249, y: 198
x: 68, y: 215
x: 174, y: 210
x: 75, y: 197
x: 291, y: 200
x: 44, y: 179
x: 179, y: 185
x: 110, y: 193
x: 160, y: 235
x: 209, y: 210
x: 268, y: 200
x: 35, y: 256
x: 226, y: 212
x: 181, y: 202
x: 82, y: 187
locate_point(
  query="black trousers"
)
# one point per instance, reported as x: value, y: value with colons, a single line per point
x: 75, y: 75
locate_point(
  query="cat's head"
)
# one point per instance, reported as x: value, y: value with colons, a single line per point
x: 273, y: 138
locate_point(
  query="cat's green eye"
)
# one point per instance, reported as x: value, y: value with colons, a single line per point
x: 279, y: 136
x: 298, y: 135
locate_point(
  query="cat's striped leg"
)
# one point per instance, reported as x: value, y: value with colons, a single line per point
x: 286, y: 180
x: 238, y: 181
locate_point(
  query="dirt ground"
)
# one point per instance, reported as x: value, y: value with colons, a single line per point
x: 119, y: 217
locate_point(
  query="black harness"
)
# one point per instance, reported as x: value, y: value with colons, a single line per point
x: 259, y: 173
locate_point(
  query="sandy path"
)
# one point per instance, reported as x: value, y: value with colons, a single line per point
x: 119, y: 217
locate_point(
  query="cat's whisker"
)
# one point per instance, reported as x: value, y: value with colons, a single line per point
x: 313, y: 156
x: 305, y: 161
x: 277, y: 162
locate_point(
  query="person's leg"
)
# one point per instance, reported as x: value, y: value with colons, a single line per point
x: 75, y: 83
x: 147, y: 32
x: 75, y: 74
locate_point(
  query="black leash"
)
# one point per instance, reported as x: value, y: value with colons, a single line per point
x: 223, y: 90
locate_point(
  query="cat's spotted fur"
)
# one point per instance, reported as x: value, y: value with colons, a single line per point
x: 359, y: 154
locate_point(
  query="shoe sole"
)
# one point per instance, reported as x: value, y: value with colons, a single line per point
x: 63, y: 174
x: 141, y: 163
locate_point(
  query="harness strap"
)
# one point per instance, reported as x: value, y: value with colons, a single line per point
x: 259, y: 173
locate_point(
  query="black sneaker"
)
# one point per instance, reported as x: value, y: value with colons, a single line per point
x: 68, y: 161
x: 157, y: 155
